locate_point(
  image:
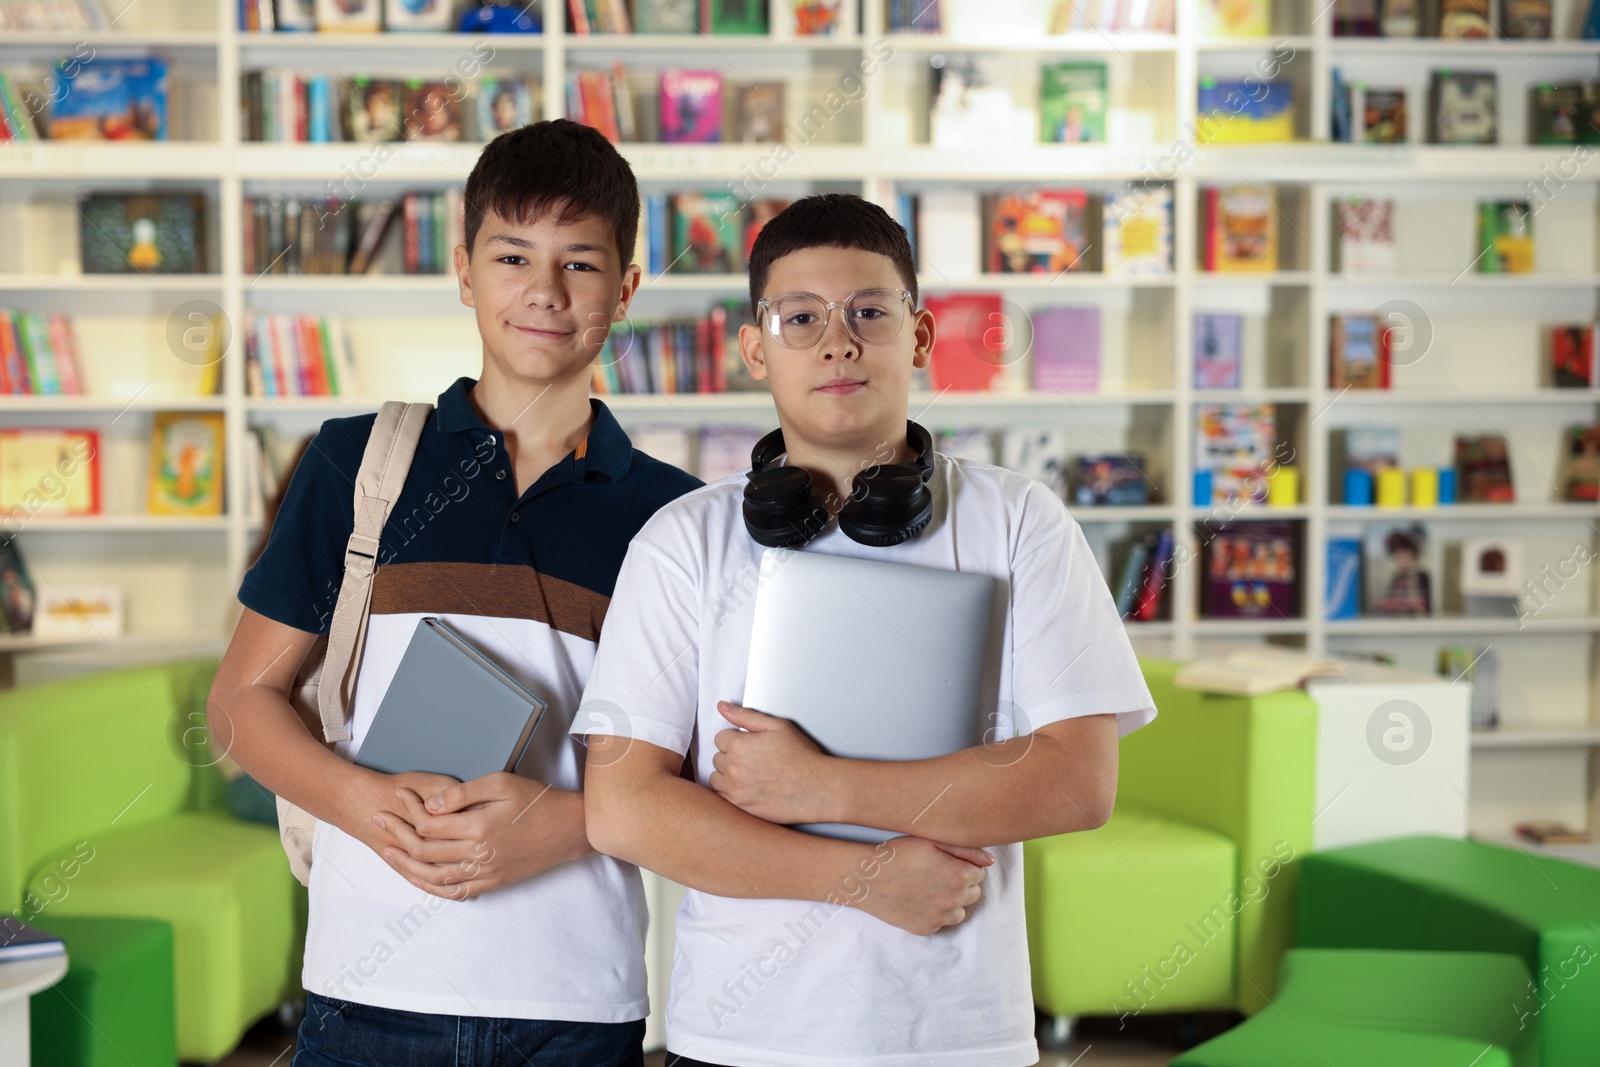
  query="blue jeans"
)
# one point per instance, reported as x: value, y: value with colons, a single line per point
x: 339, y: 1033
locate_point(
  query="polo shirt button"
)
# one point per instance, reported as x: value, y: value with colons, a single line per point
x: 491, y: 439
x: 500, y: 476
x: 516, y: 515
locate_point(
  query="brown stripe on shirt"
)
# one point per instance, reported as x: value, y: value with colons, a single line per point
x: 503, y: 591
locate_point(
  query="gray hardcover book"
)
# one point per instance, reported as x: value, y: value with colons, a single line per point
x: 449, y: 710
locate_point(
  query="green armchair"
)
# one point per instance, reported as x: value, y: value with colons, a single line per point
x: 1184, y: 900
x: 109, y: 807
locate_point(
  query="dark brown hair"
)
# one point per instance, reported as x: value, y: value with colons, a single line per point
x: 556, y: 165
x: 830, y: 220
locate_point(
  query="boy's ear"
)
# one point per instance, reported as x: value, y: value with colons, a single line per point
x: 923, y: 337
x: 632, y: 278
x: 755, y: 359
x: 463, y: 276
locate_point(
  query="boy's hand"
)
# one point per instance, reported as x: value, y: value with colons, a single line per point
x: 770, y: 768
x: 924, y: 886
x: 367, y: 813
x: 465, y: 839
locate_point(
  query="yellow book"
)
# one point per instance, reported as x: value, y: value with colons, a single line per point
x: 186, y: 458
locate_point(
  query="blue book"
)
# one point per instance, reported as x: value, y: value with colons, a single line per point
x: 1344, y: 578
x: 319, y: 109
x: 19, y: 941
x: 656, y: 209
x: 110, y: 100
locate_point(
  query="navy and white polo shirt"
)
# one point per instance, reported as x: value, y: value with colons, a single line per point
x: 527, y: 579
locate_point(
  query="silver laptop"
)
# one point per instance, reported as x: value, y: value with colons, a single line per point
x: 874, y: 660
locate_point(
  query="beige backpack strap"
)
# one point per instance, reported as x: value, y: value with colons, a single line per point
x: 384, y: 466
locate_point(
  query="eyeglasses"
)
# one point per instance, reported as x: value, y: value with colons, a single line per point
x: 871, y: 316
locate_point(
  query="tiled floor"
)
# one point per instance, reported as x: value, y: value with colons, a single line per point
x: 1148, y: 1043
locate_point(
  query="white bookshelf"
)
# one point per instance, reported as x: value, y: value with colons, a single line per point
x: 1483, y: 375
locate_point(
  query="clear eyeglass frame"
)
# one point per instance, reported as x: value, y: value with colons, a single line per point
x: 811, y: 333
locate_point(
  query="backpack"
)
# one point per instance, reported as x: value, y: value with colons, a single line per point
x: 326, y: 681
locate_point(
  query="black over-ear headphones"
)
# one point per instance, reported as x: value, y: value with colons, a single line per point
x: 887, y: 505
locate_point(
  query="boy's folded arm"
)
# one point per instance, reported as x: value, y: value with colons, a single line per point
x: 638, y: 808
x: 1060, y: 778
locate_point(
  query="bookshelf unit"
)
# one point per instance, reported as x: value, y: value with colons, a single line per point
x: 1484, y: 371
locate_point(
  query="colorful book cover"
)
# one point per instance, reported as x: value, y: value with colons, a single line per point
x: 1240, y: 112
x: 1581, y: 476
x: 1241, y: 232
x: 110, y: 100
x: 1505, y: 237
x: 1110, y: 479
x: 1217, y: 345
x: 665, y: 16
x: 1527, y: 20
x: 1401, y: 18
x: 816, y: 18
x: 349, y: 16
x: 759, y: 214
x: 17, y: 598
x: 1343, y: 600
x: 1235, y: 18
x: 1383, y: 116
x: 432, y: 112
x: 143, y: 233
x: 965, y: 355
x: 1483, y: 470
x: 186, y: 463
x: 1251, y: 571
x: 1558, y: 113
x: 1366, y: 235
x: 504, y: 104
x: 1137, y: 229
x: 71, y: 456
x: 706, y: 233
x: 1573, y: 354
x: 691, y: 106
x: 1358, y: 353
x: 427, y: 16
x: 1038, y: 232
x: 1399, y: 582
x: 738, y: 16
x: 1072, y: 103
x: 1066, y: 349
x: 1234, y: 442
x: 761, y: 113
x: 373, y: 109
x: 1464, y: 19
x: 1355, y: 18
x: 1465, y: 106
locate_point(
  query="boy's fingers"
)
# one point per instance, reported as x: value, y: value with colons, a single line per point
x: 431, y: 826
x: 975, y: 856
x: 748, y: 718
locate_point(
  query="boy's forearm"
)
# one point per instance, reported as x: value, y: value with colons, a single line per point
x: 261, y: 731
x: 687, y: 833
x: 987, y: 795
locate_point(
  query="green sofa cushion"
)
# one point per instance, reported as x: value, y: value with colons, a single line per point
x: 1377, y: 1008
x: 115, y: 1006
x: 1446, y: 894
x: 1134, y: 916
x: 235, y: 910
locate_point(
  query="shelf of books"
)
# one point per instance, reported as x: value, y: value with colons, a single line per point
x: 1293, y: 302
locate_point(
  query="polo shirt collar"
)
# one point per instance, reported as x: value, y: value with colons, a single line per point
x: 607, y: 451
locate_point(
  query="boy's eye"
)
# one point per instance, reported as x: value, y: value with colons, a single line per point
x: 869, y: 313
x: 580, y: 265
x: 512, y: 260
x: 801, y: 318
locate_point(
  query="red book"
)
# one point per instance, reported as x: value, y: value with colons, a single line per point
x: 66, y: 350
x: 313, y: 360
x: 719, y: 349
x: 413, y: 247
x: 971, y: 335
x: 10, y: 351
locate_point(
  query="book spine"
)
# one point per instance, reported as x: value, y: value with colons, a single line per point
x: 580, y: 17
x: 66, y: 350
x: 1155, y: 579
x: 35, y: 357
x: 8, y: 354
x: 411, y: 233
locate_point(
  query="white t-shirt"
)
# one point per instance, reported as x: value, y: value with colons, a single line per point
x: 790, y: 983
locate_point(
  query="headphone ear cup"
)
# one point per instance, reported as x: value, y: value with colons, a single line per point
x: 782, y: 508
x: 889, y: 506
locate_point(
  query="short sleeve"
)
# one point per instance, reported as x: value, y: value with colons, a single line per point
x: 296, y: 579
x: 645, y: 679
x: 1071, y: 655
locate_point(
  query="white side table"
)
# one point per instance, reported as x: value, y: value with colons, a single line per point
x: 19, y: 981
